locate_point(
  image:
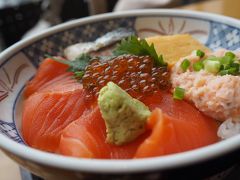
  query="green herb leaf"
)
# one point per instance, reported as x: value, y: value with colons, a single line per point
x: 78, y: 74
x: 75, y: 65
x: 134, y: 46
x: 79, y: 63
x: 185, y: 64
x: 178, y: 93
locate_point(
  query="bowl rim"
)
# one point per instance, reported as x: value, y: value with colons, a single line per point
x: 119, y: 166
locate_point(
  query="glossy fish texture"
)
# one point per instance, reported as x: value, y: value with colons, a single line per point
x: 56, y: 118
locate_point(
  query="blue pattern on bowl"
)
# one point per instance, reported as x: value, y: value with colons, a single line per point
x: 224, y: 36
x: 55, y: 44
x: 9, y: 129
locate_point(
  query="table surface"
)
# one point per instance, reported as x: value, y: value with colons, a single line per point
x: 225, y: 7
x: 9, y: 170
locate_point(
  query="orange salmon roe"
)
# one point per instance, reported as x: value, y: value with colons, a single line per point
x: 134, y: 74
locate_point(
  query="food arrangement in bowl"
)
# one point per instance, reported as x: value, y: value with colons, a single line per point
x: 129, y: 94
x: 120, y: 105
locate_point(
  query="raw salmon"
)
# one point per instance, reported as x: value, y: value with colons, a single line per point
x: 51, y: 104
x: 86, y: 138
x: 47, y: 113
x: 57, y: 118
x: 47, y: 71
x: 171, y: 132
x: 163, y: 139
x: 176, y: 127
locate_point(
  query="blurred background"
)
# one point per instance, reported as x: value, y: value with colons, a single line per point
x: 22, y: 18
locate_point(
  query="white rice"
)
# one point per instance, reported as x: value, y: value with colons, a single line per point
x: 229, y: 128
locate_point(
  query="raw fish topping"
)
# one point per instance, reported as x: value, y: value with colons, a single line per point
x: 117, y: 106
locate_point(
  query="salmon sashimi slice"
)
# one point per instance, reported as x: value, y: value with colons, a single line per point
x: 177, y: 127
x: 48, y: 70
x: 47, y: 112
x: 163, y: 138
x: 62, y: 83
x: 170, y: 132
x: 86, y: 138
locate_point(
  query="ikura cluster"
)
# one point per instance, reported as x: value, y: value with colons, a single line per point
x: 135, y: 74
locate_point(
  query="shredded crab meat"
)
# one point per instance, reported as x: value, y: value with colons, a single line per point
x: 216, y: 96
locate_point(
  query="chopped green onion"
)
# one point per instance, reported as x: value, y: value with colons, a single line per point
x: 178, y: 93
x: 226, y: 61
x: 197, y: 66
x: 200, y: 53
x: 185, y: 64
x: 232, y: 71
x: 212, y: 66
x: 226, y: 67
x: 236, y: 61
x: 230, y: 55
x: 221, y: 67
x: 223, y: 72
x: 227, y: 64
x: 236, y: 65
x: 213, y: 58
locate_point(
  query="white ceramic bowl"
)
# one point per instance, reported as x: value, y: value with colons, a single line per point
x: 18, y: 64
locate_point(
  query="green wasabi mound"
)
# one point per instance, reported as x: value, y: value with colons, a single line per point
x: 124, y: 116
